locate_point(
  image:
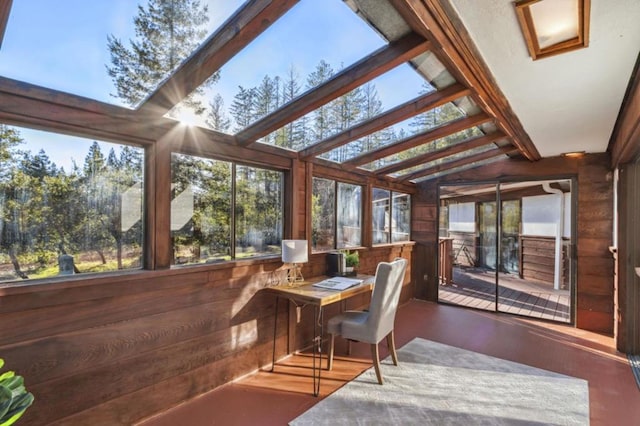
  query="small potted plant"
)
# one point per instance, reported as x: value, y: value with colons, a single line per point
x: 352, y: 261
x: 14, y: 398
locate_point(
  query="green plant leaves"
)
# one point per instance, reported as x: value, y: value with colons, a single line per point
x: 14, y: 398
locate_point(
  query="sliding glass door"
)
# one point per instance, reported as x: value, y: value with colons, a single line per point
x: 507, y: 247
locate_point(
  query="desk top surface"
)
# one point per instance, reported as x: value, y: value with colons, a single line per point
x: 305, y: 291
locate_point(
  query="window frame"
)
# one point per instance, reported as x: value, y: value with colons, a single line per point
x: 390, y: 214
x: 234, y: 163
x: 336, y: 183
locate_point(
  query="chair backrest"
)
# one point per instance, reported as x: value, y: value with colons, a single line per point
x: 385, y: 296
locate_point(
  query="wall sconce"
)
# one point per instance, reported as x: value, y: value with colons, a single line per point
x: 295, y: 252
x: 552, y: 27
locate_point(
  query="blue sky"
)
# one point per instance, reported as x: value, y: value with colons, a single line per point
x: 63, y: 45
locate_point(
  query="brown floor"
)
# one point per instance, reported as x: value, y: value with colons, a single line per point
x: 267, y: 398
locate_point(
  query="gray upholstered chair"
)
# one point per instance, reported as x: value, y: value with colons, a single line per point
x: 376, y: 323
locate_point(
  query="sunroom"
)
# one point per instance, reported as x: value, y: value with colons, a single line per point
x: 156, y: 154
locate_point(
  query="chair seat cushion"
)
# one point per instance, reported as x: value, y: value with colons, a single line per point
x: 351, y: 324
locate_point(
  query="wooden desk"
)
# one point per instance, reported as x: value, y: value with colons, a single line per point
x: 305, y: 294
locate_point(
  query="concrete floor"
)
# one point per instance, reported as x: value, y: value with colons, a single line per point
x: 266, y: 398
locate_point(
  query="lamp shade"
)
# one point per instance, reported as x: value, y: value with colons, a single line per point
x: 294, y: 251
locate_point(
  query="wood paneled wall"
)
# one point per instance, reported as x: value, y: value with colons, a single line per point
x: 595, y: 291
x: 115, y: 349
x: 628, y: 282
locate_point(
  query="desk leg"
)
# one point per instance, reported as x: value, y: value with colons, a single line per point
x: 317, y: 368
x: 275, y: 329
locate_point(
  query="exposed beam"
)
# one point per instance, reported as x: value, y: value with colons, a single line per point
x: 624, y: 145
x: 441, y: 153
x: 379, y: 62
x: 27, y: 105
x: 458, y: 163
x: 5, y: 10
x: 234, y: 35
x: 421, y: 138
x: 437, y: 20
x: 388, y: 118
x: 325, y: 168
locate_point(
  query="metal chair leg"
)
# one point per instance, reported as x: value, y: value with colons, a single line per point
x: 331, y: 348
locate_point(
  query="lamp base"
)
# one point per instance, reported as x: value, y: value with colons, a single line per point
x: 294, y: 274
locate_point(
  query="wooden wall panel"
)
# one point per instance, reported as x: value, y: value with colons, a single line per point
x: 594, y: 226
x: 89, y: 346
x: 538, y: 259
x: 628, y: 258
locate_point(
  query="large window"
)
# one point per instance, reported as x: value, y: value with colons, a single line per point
x: 223, y: 211
x: 336, y: 215
x: 391, y: 216
x: 61, y: 214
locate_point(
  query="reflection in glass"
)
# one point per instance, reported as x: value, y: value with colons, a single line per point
x: 349, y: 215
x: 323, y: 214
x: 66, y: 218
x: 200, y: 209
x: 380, y: 215
x: 203, y: 217
x: 401, y: 221
x: 258, y: 209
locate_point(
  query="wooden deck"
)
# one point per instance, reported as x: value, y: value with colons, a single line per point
x: 475, y: 288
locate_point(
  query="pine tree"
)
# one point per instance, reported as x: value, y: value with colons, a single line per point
x: 293, y: 133
x: 243, y: 107
x: 321, y: 125
x: 217, y: 118
x: 167, y: 32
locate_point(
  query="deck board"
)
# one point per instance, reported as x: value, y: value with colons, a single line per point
x: 516, y: 296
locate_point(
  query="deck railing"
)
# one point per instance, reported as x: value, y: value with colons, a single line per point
x: 445, y: 260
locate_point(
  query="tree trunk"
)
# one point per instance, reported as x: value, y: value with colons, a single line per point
x: 101, y: 254
x: 16, y: 264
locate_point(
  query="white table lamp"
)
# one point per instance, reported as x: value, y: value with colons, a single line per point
x: 295, y: 252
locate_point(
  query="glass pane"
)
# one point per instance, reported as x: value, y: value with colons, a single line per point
x: 200, y: 209
x: 401, y: 223
x: 509, y: 243
x: 59, y: 216
x: 436, y: 145
x: 397, y: 132
x: 272, y: 70
x: 95, y: 48
x: 381, y: 218
x: 349, y: 215
x: 468, y: 245
x: 258, y: 210
x: 323, y: 214
x: 389, y: 90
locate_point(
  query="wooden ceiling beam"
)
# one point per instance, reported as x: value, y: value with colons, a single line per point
x: 438, y: 21
x: 236, y: 33
x: 624, y: 145
x: 442, y: 153
x: 395, y: 115
x: 421, y: 138
x: 460, y: 162
x: 326, y: 168
x: 5, y: 10
x: 374, y: 65
x: 27, y: 105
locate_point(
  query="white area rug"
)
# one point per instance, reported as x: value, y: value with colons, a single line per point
x: 437, y: 384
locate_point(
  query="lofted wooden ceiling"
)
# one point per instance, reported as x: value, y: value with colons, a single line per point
x: 411, y: 27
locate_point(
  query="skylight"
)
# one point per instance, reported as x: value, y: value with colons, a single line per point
x: 298, y: 52
x: 64, y: 45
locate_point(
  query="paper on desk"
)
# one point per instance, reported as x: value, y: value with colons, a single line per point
x: 338, y: 283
